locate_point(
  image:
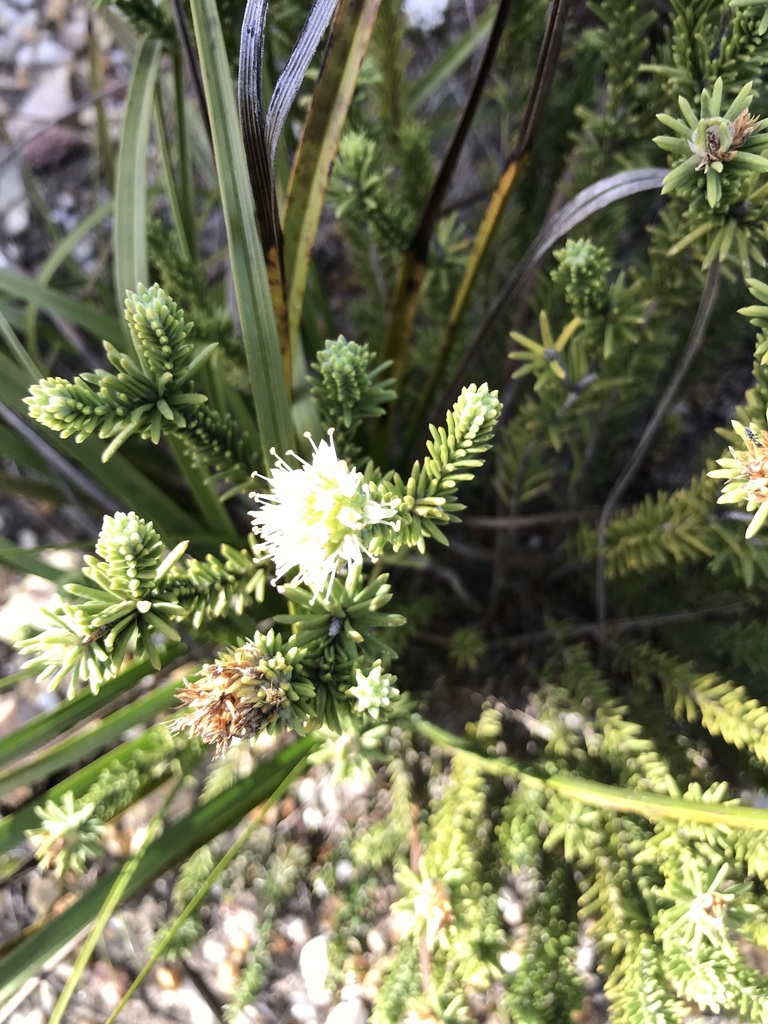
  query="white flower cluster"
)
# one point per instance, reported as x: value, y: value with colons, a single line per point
x: 375, y: 690
x: 426, y: 15
x: 317, y: 516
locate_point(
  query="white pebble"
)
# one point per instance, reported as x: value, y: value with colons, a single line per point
x: 345, y: 872
x: 45, y: 53
x: 186, y: 1001
x: 511, y: 909
x: 25, y: 56
x: 306, y: 790
x: 295, y: 930
x: 74, y: 34
x: 425, y: 14
x: 47, y: 996
x: 50, y: 53
x: 83, y: 250
x: 213, y: 951
x: 302, y: 1009
x: 376, y: 942
x: 241, y: 926
x: 312, y: 818
x: 16, y: 220
x: 27, y: 538
x: 586, y: 956
x: 313, y: 964
x: 350, y: 1011
x: 509, y: 961
x: 34, y: 1016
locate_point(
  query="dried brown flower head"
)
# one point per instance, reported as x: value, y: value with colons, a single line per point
x: 743, y: 126
x: 722, y: 139
x: 251, y: 688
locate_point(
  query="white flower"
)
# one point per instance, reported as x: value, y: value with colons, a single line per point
x: 425, y: 14
x: 375, y: 690
x: 317, y: 516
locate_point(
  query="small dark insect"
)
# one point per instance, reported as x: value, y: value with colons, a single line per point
x: 753, y: 437
x: 99, y: 633
x: 335, y: 627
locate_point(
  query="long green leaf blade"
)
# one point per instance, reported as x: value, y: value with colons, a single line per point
x: 13, y: 827
x: 319, y: 143
x: 118, y: 483
x: 60, y: 253
x: 205, y: 888
x: 86, y: 742
x: 20, y: 286
x: 179, y: 840
x: 130, y: 229
x: 47, y: 727
x: 257, y: 319
x: 26, y: 560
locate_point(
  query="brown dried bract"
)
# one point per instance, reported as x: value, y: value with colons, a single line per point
x: 743, y: 127
x: 715, y: 152
x: 228, y: 703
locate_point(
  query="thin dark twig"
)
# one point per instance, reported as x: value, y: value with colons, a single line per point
x: 207, y: 994
x: 534, y: 519
x: 63, y: 472
x: 692, y: 346
x: 186, y: 38
x: 595, y: 629
x: 593, y: 198
x: 538, y: 95
x: 406, y: 294
x: 419, y: 244
x: 546, y: 66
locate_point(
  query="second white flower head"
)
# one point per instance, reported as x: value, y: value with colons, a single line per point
x: 317, y: 516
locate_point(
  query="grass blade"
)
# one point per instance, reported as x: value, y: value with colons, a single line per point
x: 205, y: 888
x: 621, y: 799
x: 61, y: 252
x: 25, y: 560
x: 112, y: 901
x: 451, y: 59
x: 13, y: 827
x: 269, y: 385
x: 130, y: 228
x: 17, y: 350
x: 21, y: 286
x: 176, y: 844
x: 537, y: 97
x: 50, y: 725
x: 412, y: 270
x: 84, y: 743
x: 319, y: 142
